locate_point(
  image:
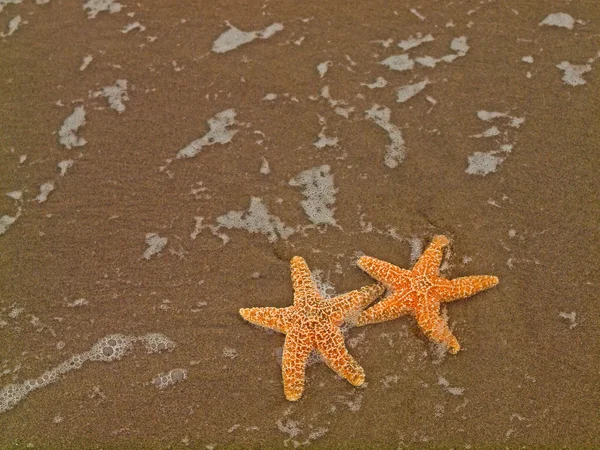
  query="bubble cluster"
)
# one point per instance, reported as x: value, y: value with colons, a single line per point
x: 11, y: 395
x: 110, y: 348
x: 174, y: 376
x: 156, y: 342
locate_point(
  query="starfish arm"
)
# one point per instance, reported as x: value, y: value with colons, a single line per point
x: 389, y: 308
x: 387, y: 274
x: 436, y: 328
x: 353, y: 301
x: 296, y: 349
x: 331, y: 346
x: 301, y: 280
x: 430, y: 260
x: 467, y: 286
x: 274, y: 318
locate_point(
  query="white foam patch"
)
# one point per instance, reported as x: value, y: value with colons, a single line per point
x: 320, y: 194
x: 172, y: 377
x: 264, y: 166
x: 15, y: 195
x: 323, y: 67
x: 325, y: 141
x: 571, y: 317
x: 86, y: 62
x: 66, y: 134
x: 116, y: 95
x: 133, y: 26
x: 234, y: 37
x: 418, y: 14
x: 487, y: 116
x: 380, y: 82
x: 94, y: 7
x: 396, y: 151
x: 528, y: 59
x: 255, y: 220
x: 65, y: 165
x: 573, y: 73
x: 452, y: 390
x: 414, y: 41
x: 398, y: 62
x: 408, y: 91
x: 6, y: 221
x: 219, y: 132
x: 339, y: 106
x: 13, y: 26
x: 562, y: 20
x: 229, y: 352
x: 270, y: 97
x: 416, y: 248
x: 155, y: 245
x: 403, y: 62
x: 3, y: 3
x: 45, y: 190
x: 481, y: 163
x: 490, y: 132
x: 108, y: 349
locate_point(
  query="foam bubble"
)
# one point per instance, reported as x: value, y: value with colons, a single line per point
x: 561, y: 20
x: 86, y: 62
x: 3, y: 3
x: 255, y: 220
x: 234, y: 37
x: 94, y: 7
x: 264, y: 166
x: 70, y: 126
x: 115, y: 94
x: 219, y: 133
x: 414, y: 41
x: 64, y: 166
x: 156, y: 342
x: 396, y: 151
x: 379, y: 82
x: 45, y: 190
x: 573, y: 72
x: 13, y: 26
x: 133, y: 26
x: 172, y: 377
x: 108, y: 349
x: 408, y: 91
x: 6, y: 221
x: 323, y: 67
x: 398, y: 62
x: 481, y: 163
x: 155, y: 245
x: 319, y: 192
x: 325, y: 141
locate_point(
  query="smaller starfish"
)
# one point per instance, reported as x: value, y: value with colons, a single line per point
x: 313, y: 323
x: 420, y: 291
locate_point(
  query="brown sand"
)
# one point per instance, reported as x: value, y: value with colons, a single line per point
x: 528, y: 371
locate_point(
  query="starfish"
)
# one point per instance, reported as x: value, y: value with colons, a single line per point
x: 313, y: 323
x: 420, y: 292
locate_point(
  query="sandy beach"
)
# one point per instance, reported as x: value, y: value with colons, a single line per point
x: 161, y: 162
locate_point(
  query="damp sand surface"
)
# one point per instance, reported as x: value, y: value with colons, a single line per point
x: 161, y: 163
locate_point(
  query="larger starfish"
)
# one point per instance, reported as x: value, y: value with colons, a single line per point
x: 420, y: 292
x: 313, y: 323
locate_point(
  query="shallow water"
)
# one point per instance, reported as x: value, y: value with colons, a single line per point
x: 163, y: 161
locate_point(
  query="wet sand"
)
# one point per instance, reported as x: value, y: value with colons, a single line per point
x: 115, y: 244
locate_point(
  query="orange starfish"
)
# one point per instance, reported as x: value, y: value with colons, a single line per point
x: 420, y: 291
x: 312, y: 323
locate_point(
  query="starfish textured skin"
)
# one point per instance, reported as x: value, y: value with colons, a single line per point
x: 420, y: 291
x: 313, y: 323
